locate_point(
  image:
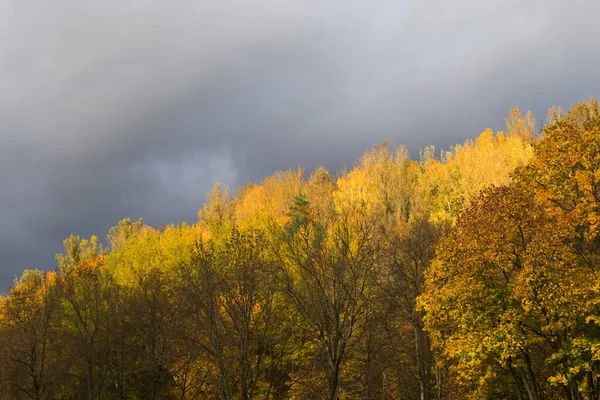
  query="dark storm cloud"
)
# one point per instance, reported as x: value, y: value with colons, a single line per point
x: 134, y: 108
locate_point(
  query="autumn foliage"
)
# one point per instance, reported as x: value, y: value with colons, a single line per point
x: 468, y: 274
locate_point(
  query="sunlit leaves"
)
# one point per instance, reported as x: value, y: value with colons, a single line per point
x: 514, y: 288
x: 471, y: 275
x: 455, y: 180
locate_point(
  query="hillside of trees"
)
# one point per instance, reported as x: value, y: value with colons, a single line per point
x: 473, y: 273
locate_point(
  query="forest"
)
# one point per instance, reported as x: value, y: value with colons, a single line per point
x: 470, y: 273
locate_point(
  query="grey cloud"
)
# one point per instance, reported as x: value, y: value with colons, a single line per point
x: 134, y: 108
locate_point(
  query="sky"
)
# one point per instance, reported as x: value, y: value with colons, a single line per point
x: 134, y: 108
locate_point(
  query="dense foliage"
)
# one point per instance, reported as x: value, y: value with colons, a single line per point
x: 474, y: 274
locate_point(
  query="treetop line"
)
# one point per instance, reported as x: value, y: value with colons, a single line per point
x: 472, y: 275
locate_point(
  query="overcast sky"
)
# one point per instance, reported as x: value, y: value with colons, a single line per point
x: 134, y: 108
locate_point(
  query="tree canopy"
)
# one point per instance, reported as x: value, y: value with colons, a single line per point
x: 472, y: 273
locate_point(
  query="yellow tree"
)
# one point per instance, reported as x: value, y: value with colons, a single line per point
x: 228, y: 291
x: 27, y: 316
x: 455, y: 180
x: 265, y: 206
x: 565, y: 175
x: 325, y: 269
x: 155, y: 325
x: 473, y: 315
x: 216, y: 216
x: 86, y: 288
x: 506, y: 298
